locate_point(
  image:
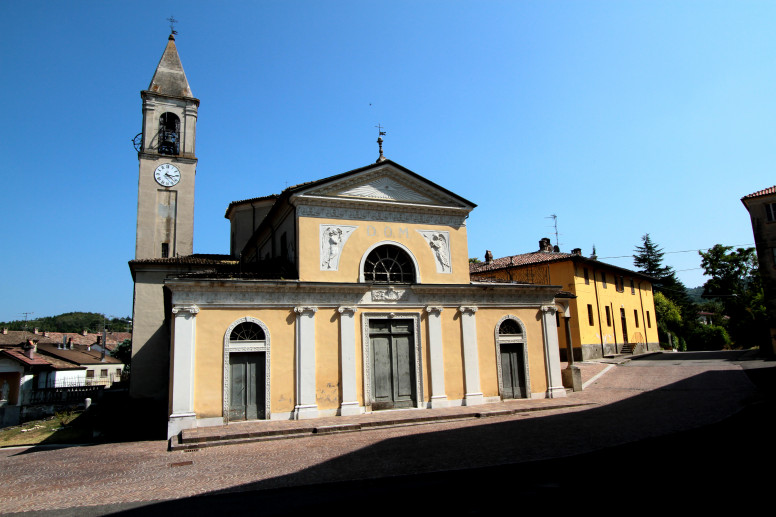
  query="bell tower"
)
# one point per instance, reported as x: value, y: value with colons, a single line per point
x: 168, y: 163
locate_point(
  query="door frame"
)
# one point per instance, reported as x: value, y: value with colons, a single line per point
x: 246, y: 346
x: 366, y: 350
x: 524, y: 341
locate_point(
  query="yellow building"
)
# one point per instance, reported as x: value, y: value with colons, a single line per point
x: 340, y: 296
x: 612, y: 310
x: 761, y: 206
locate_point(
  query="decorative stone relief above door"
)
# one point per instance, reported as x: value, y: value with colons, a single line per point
x: 439, y: 242
x: 333, y: 238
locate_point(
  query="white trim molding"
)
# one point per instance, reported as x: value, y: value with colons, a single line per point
x: 182, y: 415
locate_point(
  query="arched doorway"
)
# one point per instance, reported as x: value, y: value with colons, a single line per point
x: 246, y: 371
x: 512, y: 358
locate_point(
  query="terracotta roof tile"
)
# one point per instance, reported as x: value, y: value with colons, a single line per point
x: 18, y: 355
x: 524, y: 259
x: 764, y: 192
x: 198, y: 259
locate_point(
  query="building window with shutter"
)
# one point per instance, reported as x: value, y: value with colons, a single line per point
x: 590, y: 314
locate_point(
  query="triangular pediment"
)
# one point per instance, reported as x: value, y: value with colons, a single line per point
x: 386, y: 183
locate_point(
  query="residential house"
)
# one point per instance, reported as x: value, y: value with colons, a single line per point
x: 612, y: 310
x: 762, y: 212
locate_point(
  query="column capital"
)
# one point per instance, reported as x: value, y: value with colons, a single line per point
x: 434, y: 308
x: 192, y: 309
x: 467, y: 308
x: 342, y: 309
x: 305, y: 308
x: 551, y: 309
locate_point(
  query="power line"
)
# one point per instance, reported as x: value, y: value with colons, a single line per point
x: 683, y: 251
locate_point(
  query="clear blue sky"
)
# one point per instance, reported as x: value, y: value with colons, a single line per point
x: 620, y: 117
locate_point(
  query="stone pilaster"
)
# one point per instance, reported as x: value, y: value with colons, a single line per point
x: 182, y: 389
x: 471, y: 362
x: 349, y: 405
x: 555, y: 387
x: 306, y: 406
x: 438, y: 396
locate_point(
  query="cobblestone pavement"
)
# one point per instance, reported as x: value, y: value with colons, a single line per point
x: 629, y: 402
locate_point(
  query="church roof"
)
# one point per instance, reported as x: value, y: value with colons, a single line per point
x: 169, y: 78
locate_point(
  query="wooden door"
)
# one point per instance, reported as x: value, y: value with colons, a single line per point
x: 512, y: 371
x: 247, y: 386
x: 393, y: 364
x: 624, y: 326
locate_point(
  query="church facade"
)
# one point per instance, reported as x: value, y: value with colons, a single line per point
x: 340, y: 296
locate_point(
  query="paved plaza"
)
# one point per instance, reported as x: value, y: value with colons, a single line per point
x: 632, y: 401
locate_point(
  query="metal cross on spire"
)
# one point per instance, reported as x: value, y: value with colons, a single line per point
x: 380, y: 135
x: 172, y: 21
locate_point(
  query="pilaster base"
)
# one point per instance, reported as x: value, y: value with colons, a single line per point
x: 572, y: 378
x: 349, y: 409
x: 473, y: 399
x: 439, y: 401
x: 556, y: 392
x: 306, y: 412
x: 180, y: 421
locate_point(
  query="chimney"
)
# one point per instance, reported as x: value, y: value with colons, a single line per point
x: 5, y: 330
x: 545, y: 245
x: 35, y: 331
x: 577, y: 251
x: 99, y: 339
x: 70, y: 343
x: 85, y: 332
x: 488, y: 257
x: 45, y: 333
x: 30, y: 348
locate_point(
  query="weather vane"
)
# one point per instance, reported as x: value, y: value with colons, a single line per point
x: 172, y: 21
x: 380, y: 135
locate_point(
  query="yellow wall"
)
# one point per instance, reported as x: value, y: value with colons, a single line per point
x: 571, y: 277
x: 369, y: 233
x: 209, y: 356
x: 487, y: 319
x: 328, y: 393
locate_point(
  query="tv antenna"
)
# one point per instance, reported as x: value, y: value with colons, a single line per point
x: 555, y: 225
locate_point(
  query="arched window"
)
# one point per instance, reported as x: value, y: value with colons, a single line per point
x: 169, y: 134
x: 247, y: 331
x: 509, y: 327
x: 389, y: 265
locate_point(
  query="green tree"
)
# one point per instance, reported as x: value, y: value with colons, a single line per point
x: 648, y: 260
x: 669, y: 319
x: 734, y: 281
x: 123, y: 352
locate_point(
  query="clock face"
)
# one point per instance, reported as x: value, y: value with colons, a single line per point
x: 167, y: 175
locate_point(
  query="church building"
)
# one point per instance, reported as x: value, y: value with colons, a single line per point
x: 340, y: 296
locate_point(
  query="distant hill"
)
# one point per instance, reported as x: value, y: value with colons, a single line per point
x: 695, y: 294
x: 72, y: 322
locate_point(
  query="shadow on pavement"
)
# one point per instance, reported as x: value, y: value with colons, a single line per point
x: 669, y: 440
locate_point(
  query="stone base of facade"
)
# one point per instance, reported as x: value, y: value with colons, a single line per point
x: 178, y: 422
x: 306, y: 412
x: 438, y: 402
x: 350, y: 409
x: 473, y: 399
x: 598, y: 351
